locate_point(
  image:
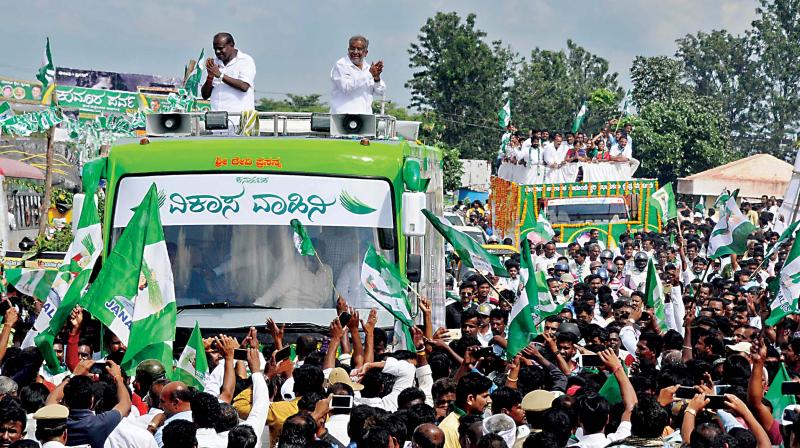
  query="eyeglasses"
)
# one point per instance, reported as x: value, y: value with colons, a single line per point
x: 356, y: 50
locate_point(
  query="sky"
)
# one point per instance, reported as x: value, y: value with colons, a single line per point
x: 295, y: 43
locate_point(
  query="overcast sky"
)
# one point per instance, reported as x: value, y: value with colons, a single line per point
x: 295, y: 43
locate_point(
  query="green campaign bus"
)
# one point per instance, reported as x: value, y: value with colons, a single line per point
x: 610, y: 207
x: 227, y: 203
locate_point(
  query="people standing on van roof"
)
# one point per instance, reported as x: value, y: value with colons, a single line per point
x: 356, y: 82
x: 231, y: 73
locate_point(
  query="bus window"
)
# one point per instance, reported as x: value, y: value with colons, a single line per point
x: 575, y: 210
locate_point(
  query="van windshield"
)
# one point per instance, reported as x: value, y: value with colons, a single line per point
x: 230, y: 240
x: 562, y: 211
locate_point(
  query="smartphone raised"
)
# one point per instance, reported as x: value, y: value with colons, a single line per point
x: 283, y: 353
x: 344, y: 318
x: 341, y: 402
x: 790, y: 388
x: 685, y: 393
x: 715, y: 401
x: 591, y: 360
x: 240, y: 354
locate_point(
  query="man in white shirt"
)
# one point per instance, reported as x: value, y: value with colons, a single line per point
x: 621, y: 151
x: 230, y: 79
x: 355, y: 82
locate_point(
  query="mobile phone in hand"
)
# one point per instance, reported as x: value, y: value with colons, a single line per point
x: 341, y: 402
x: 790, y: 388
x: 283, y: 353
x: 591, y: 360
x: 344, y: 318
x: 685, y: 393
x: 240, y: 354
x: 715, y: 401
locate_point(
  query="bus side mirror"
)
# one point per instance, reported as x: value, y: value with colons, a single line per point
x: 413, y: 221
x: 414, y: 268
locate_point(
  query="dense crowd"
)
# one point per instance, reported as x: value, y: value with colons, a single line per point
x: 600, y: 372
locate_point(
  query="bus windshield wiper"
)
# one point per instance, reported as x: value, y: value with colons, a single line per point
x: 211, y: 305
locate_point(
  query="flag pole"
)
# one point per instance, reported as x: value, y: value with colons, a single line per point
x: 499, y: 297
x: 48, y: 173
x: 330, y: 275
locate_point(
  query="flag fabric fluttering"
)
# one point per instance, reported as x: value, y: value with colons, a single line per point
x: 664, y: 201
x: 386, y: 285
x: 192, y: 366
x: 542, y: 228
x: 47, y: 73
x: 72, y: 276
x: 610, y: 390
x: 504, y: 115
x: 193, y: 80
x: 521, y: 326
x: 472, y: 254
x: 774, y: 395
x: 730, y: 234
x: 654, y: 295
x: 785, y: 237
x: 134, y: 293
x: 302, y: 242
x: 582, y: 111
x: 785, y: 301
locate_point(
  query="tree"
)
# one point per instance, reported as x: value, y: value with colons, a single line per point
x: 551, y: 85
x: 656, y: 79
x: 452, y: 168
x: 680, y: 136
x: 295, y: 103
x: 459, y: 77
x: 775, y: 36
x: 720, y: 65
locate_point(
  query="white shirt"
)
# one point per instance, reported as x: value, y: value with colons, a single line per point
x: 208, y: 438
x: 128, y: 435
x: 626, y: 151
x: 185, y: 415
x: 225, y: 97
x: 550, y: 154
x: 337, y: 427
x: 353, y: 88
x: 599, y: 440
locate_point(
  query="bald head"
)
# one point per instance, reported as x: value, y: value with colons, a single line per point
x: 175, y: 398
x: 428, y: 435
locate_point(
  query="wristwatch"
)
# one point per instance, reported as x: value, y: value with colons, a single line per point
x: 220, y: 76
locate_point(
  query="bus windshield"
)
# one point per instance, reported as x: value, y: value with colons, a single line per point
x: 230, y: 239
x: 560, y: 211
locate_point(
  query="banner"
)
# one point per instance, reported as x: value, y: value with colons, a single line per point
x: 20, y: 91
x: 106, y: 80
x: 96, y: 100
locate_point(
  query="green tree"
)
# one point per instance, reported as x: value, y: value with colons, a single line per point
x: 775, y: 35
x: 294, y: 103
x: 452, y: 168
x: 458, y: 78
x: 656, y: 79
x: 720, y: 65
x: 550, y: 86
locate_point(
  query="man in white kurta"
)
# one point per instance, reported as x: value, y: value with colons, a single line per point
x: 231, y: 75
x: 355, y: 82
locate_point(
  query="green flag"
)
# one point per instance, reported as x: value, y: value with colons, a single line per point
x: 301, y: 240
x: 472, y: 254
x: 47, y: 72
x: 193, y: 80
x: 610, y: 390
x: 384, y: 283
x: 6, y: 112
x: 543, y: 228
x: 779, y: 401
x: 730, y: 234
x: 134, y: 294
x: 504, y: 115
x: 521, y: 326
x: 664, y: 201
x: 192, y: 366
x: 32, y: 282
x: 654, y: 295
x: 786, y: 235
x: 576, y: 124
x: 785, y: 301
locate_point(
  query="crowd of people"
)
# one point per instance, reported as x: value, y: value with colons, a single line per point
x: 553, y: 149
x: 600, y: 372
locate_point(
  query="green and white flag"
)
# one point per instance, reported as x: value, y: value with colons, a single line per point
x: 32, y: 282
x: 384, y: 283
x: 785, y: 302
x: 192, y: 366
x: 193, y: 80
x: 730, y: 234
x: 504, y: 115
x: 786, y: 235
x: 302, y: 242
x: 6, y: 112
x: 654, y: 296
x: 576, y: 124
x: 74, y: 271
x: 626, y: 103
x: 778, y: 400
x: 134, y: 294
x: 543, y: 228
x: 472, y: 254
x: 47, y: 72
x: 664, y: 201
x: 521, y: 326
